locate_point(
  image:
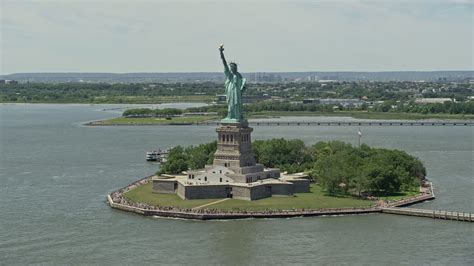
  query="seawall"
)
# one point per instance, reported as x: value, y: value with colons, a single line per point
x: 203, y: 214
x: 239, y: 215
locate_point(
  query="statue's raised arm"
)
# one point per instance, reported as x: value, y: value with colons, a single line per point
x: 226, y: 67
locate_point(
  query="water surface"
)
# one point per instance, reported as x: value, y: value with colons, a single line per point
x: 55, y: 174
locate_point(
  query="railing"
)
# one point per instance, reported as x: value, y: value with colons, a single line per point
x: 435, y: 214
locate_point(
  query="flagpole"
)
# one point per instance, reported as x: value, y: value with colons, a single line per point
x: 360, y: 136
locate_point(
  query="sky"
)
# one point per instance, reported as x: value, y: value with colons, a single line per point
x: 261, y: 36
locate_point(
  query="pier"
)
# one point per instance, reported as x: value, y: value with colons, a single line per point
x: 356, y: 123
x: 434, y: 214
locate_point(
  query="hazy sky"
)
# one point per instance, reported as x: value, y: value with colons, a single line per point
x: 183, y: 36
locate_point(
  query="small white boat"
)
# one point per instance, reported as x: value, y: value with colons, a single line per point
x: 152, y: 156
x: 159, y: 155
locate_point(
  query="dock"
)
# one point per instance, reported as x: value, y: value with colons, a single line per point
x: 434, y: 214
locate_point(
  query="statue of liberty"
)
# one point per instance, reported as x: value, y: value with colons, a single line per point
x: 234, y: 86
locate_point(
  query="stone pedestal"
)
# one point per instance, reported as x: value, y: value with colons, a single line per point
x: 234, y: 147
x: 234, y: 173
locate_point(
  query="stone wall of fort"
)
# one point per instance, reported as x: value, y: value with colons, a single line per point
x: 181, y: 191
x: 205, y: 192
x: 282, y: 189
x: 300, y: 185
x: 251, y: 193
x: 242, y: 193
x: 164, y: 186
x: 260, y: 192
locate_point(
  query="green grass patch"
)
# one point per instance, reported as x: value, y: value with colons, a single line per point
x: 316, y: 199
x: 155, y: 121
x: 145, y: 194
x: 397, y: 195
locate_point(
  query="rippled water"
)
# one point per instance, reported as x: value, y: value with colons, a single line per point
x: 55, y: 174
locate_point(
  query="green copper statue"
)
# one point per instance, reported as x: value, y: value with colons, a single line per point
x: 234, y: 86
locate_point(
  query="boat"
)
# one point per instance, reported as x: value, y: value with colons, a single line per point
x: 152, y: 156
x: 157, y: 156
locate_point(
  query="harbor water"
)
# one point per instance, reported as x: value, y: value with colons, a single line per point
x: 55, y: 174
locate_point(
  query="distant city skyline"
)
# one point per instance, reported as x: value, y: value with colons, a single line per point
x: 183, y: 36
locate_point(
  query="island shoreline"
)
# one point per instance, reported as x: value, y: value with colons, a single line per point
x: 204, y: 214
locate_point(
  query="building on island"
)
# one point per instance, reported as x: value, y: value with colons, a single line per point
x: 331, y: 101
x: 432, y: 100
x: 233, y: 174
x: 8, y: 81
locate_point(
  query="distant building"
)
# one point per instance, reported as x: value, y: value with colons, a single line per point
x: 306, y: 101
x: 432, y: 100
x: 8, y: 81
x: 331, y: 101
x: 255, y: 98
x: 221, y: 98
x: 277, y: 98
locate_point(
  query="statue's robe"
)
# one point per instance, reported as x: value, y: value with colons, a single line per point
x: 234, y: 86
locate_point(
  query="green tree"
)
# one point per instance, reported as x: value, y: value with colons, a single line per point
x: 201, y: 155
x: 176, y: 163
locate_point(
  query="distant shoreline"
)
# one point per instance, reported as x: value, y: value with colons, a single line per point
x: 390, y: 120
x: 217, y: 76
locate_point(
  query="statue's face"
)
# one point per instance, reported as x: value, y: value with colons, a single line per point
x: 233, y: 68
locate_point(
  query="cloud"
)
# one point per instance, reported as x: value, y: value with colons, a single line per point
x: 111, y: 36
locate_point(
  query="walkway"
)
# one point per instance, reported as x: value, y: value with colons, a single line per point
x: 211, y: 203
x: 445, y: 215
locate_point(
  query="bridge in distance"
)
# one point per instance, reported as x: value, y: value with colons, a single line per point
x: 356, y: 123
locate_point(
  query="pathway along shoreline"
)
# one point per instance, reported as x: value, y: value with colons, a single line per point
x: 117, y: 201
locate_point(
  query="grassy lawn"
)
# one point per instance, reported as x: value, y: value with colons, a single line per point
x: 398, y: 195
x: 155, y: 121
x: 316, y: 199
x: 144, y: 194
x: 363, y: 115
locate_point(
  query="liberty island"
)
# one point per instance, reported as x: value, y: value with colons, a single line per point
x: 234, y: 172
x: 235, y: 175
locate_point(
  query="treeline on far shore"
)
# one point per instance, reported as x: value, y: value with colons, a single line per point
x: 458, y: 108
x: 380, y: 97
x: 147, y: 112
x: 338, y: 167
x: 83, y: 92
